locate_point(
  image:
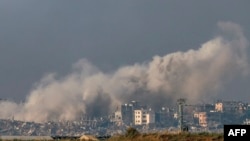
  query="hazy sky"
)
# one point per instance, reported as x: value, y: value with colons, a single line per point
x: 43, y: 36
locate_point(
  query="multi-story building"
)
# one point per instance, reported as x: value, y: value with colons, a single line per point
x: 202, y: 116
x: 143, y: 117
x: 127, y: 114
x: 165, y: 117
x: 140, y: 117
x: 230, y: 106
x: 206, y: 119
x: 117, y: 117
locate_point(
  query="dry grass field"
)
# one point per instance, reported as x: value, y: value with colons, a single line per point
x: 170, y: 137
x: 133, y: 135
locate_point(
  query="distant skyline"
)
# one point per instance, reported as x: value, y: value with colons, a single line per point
x: 42, y: 37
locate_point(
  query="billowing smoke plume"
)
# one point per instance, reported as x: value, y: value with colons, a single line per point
x: 195, y: 74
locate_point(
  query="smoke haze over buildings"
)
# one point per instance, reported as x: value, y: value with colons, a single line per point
x: 194, y: 74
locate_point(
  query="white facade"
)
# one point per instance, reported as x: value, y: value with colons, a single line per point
x: 143, y: 117
x: 219, y: 107
x: 229, y: 106
x: 150, y: 117
x: 118, y: 116
x: 138, y: 117
x: 202, y: 119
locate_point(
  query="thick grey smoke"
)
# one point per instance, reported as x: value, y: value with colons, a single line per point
x: 194, y: 74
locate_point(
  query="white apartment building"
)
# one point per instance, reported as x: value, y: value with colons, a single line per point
x: 229, y: 106
x: 143, y: 117
x: 202, y: 118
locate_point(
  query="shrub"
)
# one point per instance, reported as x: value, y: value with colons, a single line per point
x: 131, y: 132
